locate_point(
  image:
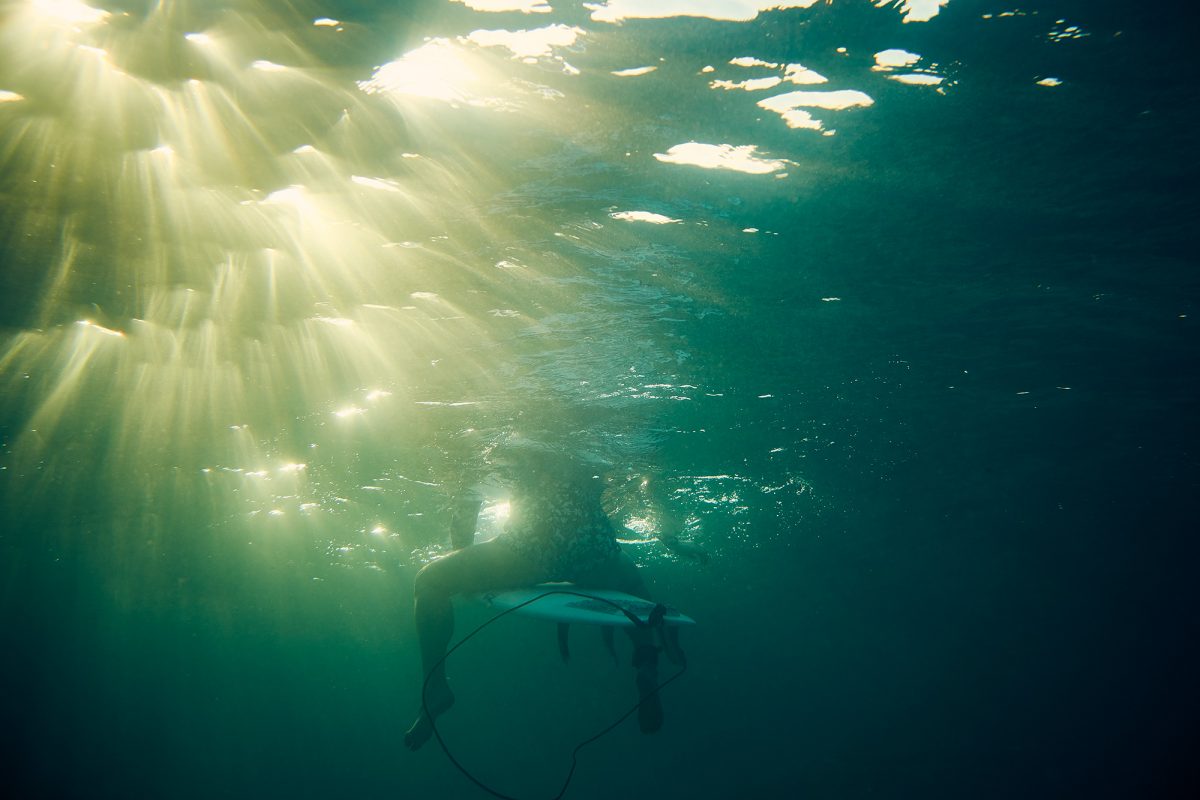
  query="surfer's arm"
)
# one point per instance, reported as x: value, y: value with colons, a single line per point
x: 686, y: 549
x: 669, y: 523
x: 463, y: 519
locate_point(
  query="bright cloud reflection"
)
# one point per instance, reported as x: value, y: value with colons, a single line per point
x: 633, y: 72
x: 741, y: 158
x: 915, y: 10
x: 730, y: 10
x: 789, y: 73
x: 894, y: 58
x: 528, y: 45
x: 799, y: 74
x: 917, y: 79
x: 791, y: 105
x: 643, y: 216
x: 888, y: 61
x: 835, y: 100
x: 455, y: 71
x: 524, y: 6
x: 438, y: 69
x: 751, y: 85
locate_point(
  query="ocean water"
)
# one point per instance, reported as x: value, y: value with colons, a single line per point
x: 888, y: 307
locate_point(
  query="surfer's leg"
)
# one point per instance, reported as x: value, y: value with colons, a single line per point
x: 480, y: 568
x: 622, y: 574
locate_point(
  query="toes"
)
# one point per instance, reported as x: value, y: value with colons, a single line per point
x: 435, y: 702
x: 418, y: 734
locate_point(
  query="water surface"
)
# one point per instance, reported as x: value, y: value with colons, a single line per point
x: 889, y: 307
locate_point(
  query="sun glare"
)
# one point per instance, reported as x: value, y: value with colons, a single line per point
x: 69, y: 12
x: 270, y: 241
x: 438, y: 69
x: 243, y: 258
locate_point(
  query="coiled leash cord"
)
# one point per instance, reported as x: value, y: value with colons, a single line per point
x: 655, y: 621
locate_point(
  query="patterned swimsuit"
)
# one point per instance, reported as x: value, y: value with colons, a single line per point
x: 561, y: 527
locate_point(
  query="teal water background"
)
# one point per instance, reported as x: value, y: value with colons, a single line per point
x: 925, y: 392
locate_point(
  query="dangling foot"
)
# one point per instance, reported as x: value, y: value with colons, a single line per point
x: 438, y: 700
x: 650, y: 712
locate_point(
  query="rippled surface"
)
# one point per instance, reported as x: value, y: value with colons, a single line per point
x: 887, y: 306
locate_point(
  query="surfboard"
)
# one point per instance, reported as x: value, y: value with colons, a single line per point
x: 565, y: 602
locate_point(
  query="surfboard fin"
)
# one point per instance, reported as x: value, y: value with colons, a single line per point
x: 563, y: 649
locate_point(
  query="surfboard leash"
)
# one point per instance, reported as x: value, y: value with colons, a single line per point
x: 655, y: 620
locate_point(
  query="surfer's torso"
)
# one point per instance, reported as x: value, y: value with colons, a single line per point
x: 561, y: 525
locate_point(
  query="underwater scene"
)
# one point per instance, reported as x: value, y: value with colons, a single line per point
x: 860, y: 333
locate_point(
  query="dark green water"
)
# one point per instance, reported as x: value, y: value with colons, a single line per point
x: 924, y: 389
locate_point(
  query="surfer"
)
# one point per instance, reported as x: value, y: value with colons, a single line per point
x: 557, y: 531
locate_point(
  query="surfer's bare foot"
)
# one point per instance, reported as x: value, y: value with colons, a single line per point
x: 438, y: 700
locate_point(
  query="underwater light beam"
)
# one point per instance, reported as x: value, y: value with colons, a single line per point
x: 68, y: 12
